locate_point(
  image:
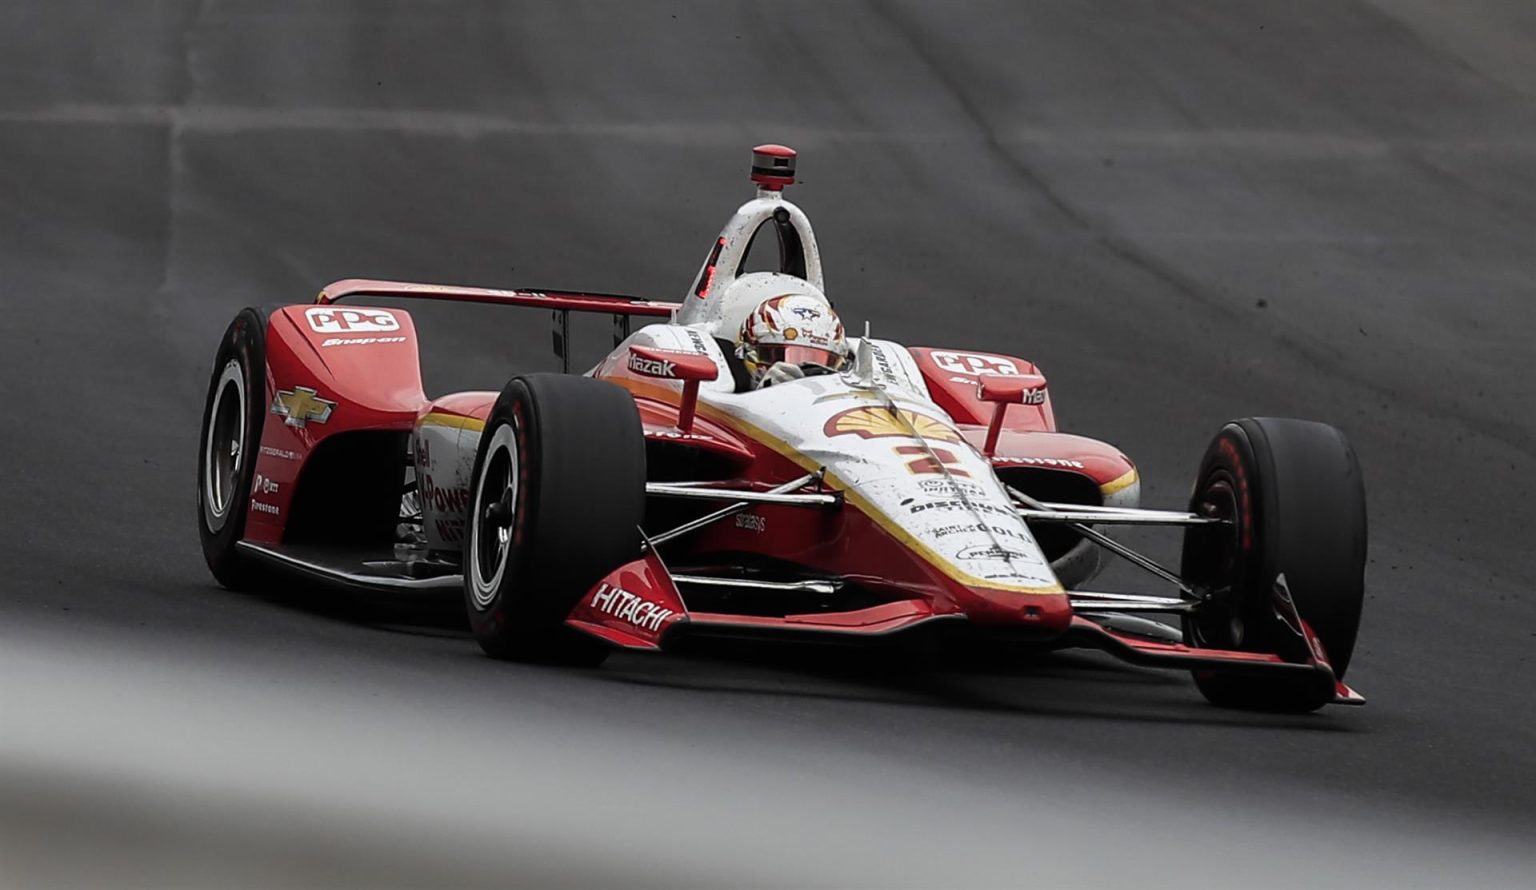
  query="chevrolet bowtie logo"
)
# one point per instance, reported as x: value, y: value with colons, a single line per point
x: 300, y: 405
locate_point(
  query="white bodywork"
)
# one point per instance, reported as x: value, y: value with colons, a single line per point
x: 909, y: 469
x: 900, y: 460
x: 709, y: 309
x: 444, y: 447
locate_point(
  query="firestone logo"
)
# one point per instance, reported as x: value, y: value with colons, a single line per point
x: 1063, y: 462
x: 333, y: 320
x: 651, y: 367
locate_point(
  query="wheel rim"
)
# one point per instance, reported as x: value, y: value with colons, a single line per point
x: 494, y: 517
x: 223, y: 450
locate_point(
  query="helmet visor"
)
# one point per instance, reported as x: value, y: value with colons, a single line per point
x: 800, y: 355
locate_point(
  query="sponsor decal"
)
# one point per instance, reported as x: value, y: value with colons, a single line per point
x: 752, y: 522
x: 676, y: 434
x: 993, y: 552
x: 272, y: 509
x: 451, y: 531
x: 626, y: 606
x: 872, y: 422
x: 882, y: 363
x: 336, y: 320
x: 945, y: 531
x: 262, y: 485
x: 950, y: 488
x: 454, y: 500
x: 360, y: 341
x: 1060, y: 462
x: 940, y: 461
x: 652, y: 367
x: 697, y: 339
x: 791, y: 334
x: 280, y: 453
x: 978, y: 506
x: 973, y: 364
x: 1034, y: 396
x: 806, y: 312
x: 300, y: 405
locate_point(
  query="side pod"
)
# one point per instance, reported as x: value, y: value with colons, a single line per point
x: 343, y: 390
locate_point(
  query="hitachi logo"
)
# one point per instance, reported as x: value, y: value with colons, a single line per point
x: 626, y: 606
x: 651, y: 367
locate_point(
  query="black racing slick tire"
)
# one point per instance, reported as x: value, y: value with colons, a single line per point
x: 558, y: 498
x: 227, y: 449
x: 1294, y: 496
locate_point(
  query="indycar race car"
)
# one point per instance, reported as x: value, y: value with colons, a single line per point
x: 911, y: 493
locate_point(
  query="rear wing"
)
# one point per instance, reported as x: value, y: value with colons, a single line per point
x: 561, y: 303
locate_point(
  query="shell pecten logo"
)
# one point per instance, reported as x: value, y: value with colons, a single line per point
x: 872, y: 422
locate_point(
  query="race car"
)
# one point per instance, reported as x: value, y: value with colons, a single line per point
x: 883, y: 493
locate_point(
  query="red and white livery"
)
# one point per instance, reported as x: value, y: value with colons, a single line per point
x: 915, y: 492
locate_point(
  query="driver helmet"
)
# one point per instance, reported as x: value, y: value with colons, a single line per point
x: 795, y: 328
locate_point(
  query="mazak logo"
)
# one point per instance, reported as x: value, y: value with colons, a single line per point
x: 626, y: 606
x: 334, y: 320
x: 971, y: 363
x: 651, y: 367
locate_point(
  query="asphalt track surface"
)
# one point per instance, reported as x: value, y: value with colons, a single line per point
x: 1184, y: 211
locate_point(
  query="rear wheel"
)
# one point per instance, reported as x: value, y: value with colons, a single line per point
x: 1295, y: 501
x: 559, y: 495
x: 231, y: 434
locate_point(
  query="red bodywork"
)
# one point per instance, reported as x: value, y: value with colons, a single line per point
x: 340, y: 371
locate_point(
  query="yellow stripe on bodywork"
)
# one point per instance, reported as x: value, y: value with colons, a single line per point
x: 1122, y: 482
x: 785, y: 450
x: 453, y: 421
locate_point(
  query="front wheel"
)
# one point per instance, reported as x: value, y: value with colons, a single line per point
x: 226, y: 457
x: 559, y: 495
x: 1294, y: 499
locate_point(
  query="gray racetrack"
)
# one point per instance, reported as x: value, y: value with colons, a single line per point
x: 1184, y: 211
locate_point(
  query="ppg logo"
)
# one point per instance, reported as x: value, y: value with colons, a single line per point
x: 334, y: 320
x: 970, y: 363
